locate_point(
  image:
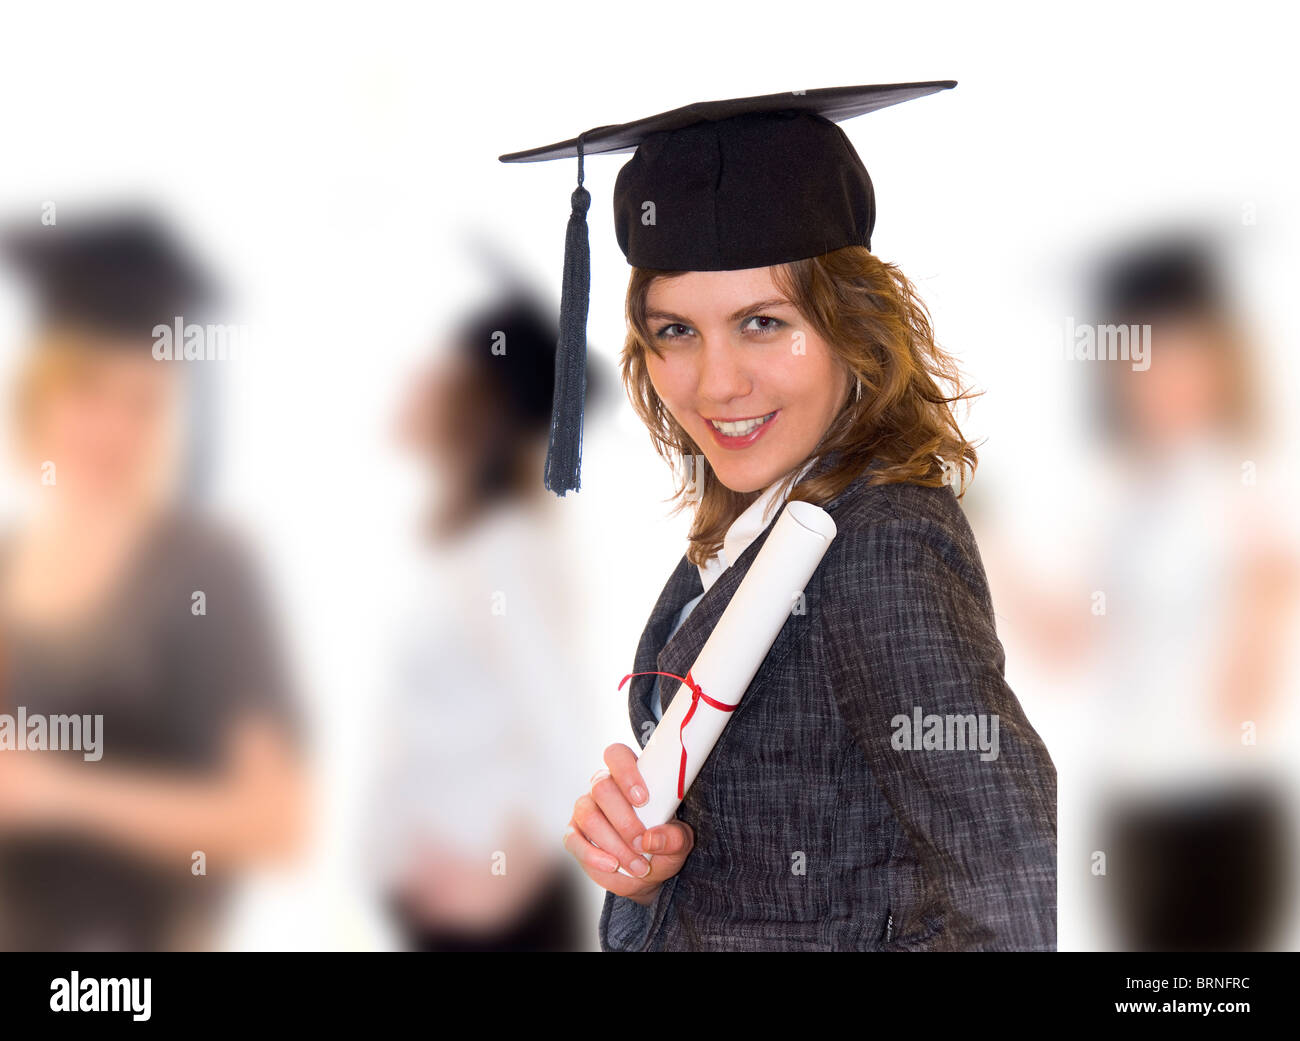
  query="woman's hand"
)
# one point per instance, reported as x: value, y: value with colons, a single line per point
x: 605, y: 832
x: 35, y: 790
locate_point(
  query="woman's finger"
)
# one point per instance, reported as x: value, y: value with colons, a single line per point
x: 617, y: 883
x: 617, y: 810
x: 672, y: 839
x: 622, y: 763
x: 594, y: 823
x: 586, y: 854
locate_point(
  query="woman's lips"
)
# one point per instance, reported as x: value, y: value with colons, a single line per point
x: 744, y: 441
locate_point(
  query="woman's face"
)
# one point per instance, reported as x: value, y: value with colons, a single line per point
x: 1181, y: 396
x: 111, y: 426
x: 445, y: 416
x: 734, y: 351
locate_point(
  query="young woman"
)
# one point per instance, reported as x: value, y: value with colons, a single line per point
x: 1200, y: 567
x: 199, y: 744
x: 814, y: 824
x: 878, y: 786
x: 468, y: 680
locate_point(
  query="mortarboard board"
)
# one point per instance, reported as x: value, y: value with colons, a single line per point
x: 716, y: 186
x: 120, y: 273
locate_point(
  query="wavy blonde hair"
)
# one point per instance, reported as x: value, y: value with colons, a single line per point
x: 896, y: 420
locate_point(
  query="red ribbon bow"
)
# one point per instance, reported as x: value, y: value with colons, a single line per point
x: 697, y: 695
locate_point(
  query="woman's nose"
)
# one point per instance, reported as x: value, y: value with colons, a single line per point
x: 722, y: 376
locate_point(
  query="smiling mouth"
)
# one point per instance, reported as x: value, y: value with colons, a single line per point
x: 740, y: 427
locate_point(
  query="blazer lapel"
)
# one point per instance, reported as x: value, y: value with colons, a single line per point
x: 683, y: 584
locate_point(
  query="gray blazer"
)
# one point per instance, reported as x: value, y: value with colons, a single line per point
x: 817, y: 825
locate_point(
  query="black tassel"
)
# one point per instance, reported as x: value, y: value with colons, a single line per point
x: 564, y: 453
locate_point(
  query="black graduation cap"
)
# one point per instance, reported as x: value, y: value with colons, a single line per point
x: 120, y: 273
x: 1171, y: 272
x: 715, y: 186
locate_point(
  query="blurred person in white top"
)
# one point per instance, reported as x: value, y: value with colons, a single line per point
x: 1185, y: 759
x: 485, y: 736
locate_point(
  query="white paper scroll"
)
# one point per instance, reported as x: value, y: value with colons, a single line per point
x: 731, y: 656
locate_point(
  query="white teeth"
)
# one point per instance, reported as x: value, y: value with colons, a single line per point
x: 747, y: 426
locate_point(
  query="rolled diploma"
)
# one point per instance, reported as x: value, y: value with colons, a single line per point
x: 732, y: 654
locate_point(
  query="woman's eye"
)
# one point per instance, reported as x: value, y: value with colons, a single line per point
x: 762, y: 323
x: 673, y: 331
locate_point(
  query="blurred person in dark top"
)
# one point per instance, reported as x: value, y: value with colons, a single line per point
x: 199, y: 773
x: 486, y: 727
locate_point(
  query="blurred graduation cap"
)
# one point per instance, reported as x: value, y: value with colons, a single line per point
x: 715, y: 186
x: 119, y: 273
x: 1172, y: 272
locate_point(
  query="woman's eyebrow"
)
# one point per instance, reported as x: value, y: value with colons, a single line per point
x: 735, y: 316
x: 668, y: 316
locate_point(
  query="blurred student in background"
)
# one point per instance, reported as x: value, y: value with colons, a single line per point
x: 485, y: 730
x: 1195, y: 587
x: 1203, y: 580
x: 120, y: 600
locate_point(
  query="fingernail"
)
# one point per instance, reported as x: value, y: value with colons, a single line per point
x: 636, y: 844
x: 640, y: 868
x: 608, y: 863
x: 657, y: 842
x: 638, y: 794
